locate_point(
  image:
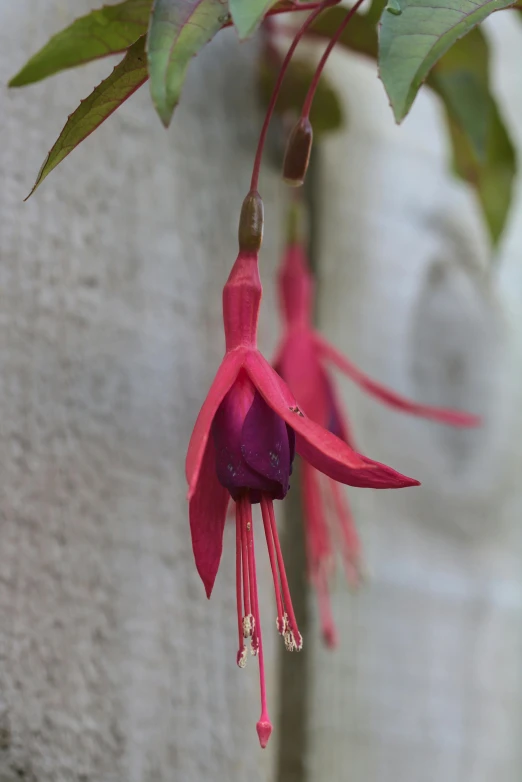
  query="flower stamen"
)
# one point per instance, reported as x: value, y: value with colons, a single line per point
x: 282, y: 616
x: 350, y: 546
x: 242, y: 650
x: 286, y: 621
x: 244, y: 511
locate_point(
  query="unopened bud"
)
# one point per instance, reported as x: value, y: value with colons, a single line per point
x: 297, y: 155
x: 251, y: 223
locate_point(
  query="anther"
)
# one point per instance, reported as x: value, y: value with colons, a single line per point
x: 242, y: 657
x: 289, y: 641
x: 282, y: 624
x: 249, y: 624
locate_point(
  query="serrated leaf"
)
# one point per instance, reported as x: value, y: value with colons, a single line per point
x: 411, y: 43
x: 483, y: 154
x: 178, y: 30
x: 326, y: 114
x: 108, y: 30
x: 247, y: 15
x: 125, y: 79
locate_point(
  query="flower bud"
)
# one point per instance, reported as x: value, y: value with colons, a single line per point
x: 297, y: 153
x: 250, y: 233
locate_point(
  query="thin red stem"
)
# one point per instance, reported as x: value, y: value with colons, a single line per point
x: 244, y: 547
x: 239, y: 571
x: 317, y: 75
x: 275, y: 93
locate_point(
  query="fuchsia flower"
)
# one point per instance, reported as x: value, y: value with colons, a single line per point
x: 242, y: 447
x: 302, y: 361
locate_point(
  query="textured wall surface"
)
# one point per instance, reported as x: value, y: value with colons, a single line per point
x: 113, y: 665
x: 427, y: 686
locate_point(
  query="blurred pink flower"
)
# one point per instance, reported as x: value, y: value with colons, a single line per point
x: 302, y: 361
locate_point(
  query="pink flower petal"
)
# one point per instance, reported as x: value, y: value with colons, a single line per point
x: 388, y: 397
x: 207, y: 511
x: 322, y: 449
x: 225, y: 376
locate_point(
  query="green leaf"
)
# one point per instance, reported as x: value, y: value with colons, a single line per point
x: 411, y: 43
x: 461, y: 79
x: 483, y: 154
x: 125, y: 79
x: 490, y: 167
x: 109, y: 30
x: 248, y: 14
x: 326, y: 114
x: 178, y: 30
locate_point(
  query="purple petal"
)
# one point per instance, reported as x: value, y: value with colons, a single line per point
x: 265, y: 444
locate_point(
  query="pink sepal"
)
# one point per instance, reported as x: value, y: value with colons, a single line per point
x: 388, y: 397
x: 322, y: 449
x: 225, y: 376
x: 207, y: 512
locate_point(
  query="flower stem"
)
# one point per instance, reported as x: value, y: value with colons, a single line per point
x: 262, y: 137
x: 317, y: 75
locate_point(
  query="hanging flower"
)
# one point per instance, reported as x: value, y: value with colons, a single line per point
x: 302, y: 361
x: 242, y: 447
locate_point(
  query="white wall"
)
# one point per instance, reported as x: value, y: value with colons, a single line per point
x: 113, y: 665
x: 427, y: 685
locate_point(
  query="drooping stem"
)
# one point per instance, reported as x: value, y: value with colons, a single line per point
x: 317, y: 75
x: 275, y: 93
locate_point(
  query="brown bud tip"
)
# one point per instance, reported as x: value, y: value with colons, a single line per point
x: 297, y: 153
x: 251, y: 223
